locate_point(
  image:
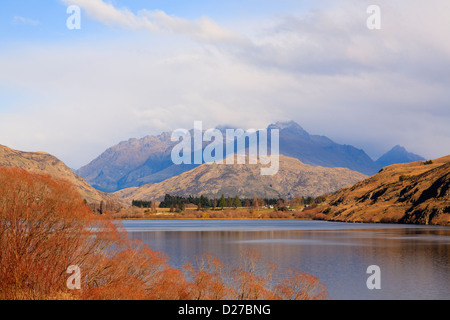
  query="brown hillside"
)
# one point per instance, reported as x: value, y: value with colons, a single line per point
x: 294, y: 178
x: 41, y: 162
x: 407, y: 193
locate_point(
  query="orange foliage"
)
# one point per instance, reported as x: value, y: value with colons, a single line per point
x: 252, y: 281
x: 45, y: 227
x: 301, y: 286
x: 208, y: 279
x: 42, y: 227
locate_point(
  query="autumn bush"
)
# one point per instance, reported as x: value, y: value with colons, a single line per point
x: 300, y: 286
x: 45, y: 227
x: 250, y: 279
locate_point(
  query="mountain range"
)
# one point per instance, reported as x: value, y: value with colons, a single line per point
x: 138, y: 162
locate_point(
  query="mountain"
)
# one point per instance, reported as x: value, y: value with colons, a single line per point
x: 417, y: 192
x: 133, y: 163
x: 137, y: 162
x: 398, y: 154
x: 318, y: 150
x: 294, y: 178
x: 41, y: 162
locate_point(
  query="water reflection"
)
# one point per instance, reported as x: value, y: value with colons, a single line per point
x: 414, y: 260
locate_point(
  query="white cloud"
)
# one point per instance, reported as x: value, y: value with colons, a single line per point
x: 109, y: 15
x: 27, y: 21
x: 203, y: 29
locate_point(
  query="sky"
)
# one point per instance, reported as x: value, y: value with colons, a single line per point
x: 138, y: 68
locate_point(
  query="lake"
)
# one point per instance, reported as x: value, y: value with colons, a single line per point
x: 414, y: 260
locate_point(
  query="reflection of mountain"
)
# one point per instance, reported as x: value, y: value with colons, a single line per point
x: 417, y: 192
x: 294, y: 178
x: 40, y: 162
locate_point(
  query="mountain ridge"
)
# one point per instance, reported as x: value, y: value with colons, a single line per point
x: 137, y: 162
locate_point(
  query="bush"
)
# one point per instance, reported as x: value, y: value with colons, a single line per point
x: 43, y: 229
x: 404, y: 177
x: 320, y: 216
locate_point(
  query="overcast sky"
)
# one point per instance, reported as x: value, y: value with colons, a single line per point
x: 138, y: 68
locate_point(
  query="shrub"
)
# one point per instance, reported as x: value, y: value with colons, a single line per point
x: 44, y: 228
x: 404, y: 177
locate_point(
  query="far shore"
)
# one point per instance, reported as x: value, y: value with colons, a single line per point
x: 175, y: 217
x: 312, y: 213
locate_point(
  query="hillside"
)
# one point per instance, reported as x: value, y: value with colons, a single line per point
x: 41, y: 162
x: 416, y: 192
x: 294, y: 178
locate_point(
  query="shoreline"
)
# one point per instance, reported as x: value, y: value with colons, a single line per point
x: 275, y: 219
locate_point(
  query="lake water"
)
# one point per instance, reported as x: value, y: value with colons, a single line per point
x: 414, y: 260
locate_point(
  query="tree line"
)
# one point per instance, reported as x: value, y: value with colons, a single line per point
x: 179, y: 203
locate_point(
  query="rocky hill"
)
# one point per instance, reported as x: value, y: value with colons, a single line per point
x: 294, y: 178
x: 417, y: 192
x: 41, y: 162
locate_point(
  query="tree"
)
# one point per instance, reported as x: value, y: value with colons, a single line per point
x: 222, y: 202
x: 255, y: 202
x: 237, y: 203
x: 229, y: 202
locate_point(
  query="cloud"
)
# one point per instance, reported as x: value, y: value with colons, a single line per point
x: 26, y: 21
x: 329, y: 40
x: 322, y: 68
x: 109, y: 15
x: 203, y: 29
